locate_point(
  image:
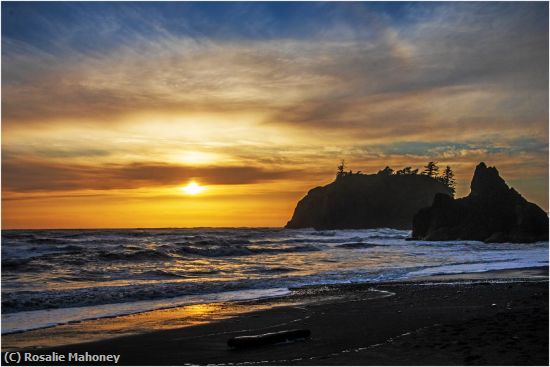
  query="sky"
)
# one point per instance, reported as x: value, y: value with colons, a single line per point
x: 109, y: 109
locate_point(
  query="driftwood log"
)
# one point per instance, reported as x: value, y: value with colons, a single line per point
x: 253, y: 341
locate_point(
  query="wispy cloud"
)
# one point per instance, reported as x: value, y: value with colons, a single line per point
x: 455, y: 68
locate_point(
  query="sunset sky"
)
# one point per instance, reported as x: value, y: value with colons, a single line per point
x: 110, y: 109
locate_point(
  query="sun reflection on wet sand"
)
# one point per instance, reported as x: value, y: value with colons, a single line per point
x: 165, y: 319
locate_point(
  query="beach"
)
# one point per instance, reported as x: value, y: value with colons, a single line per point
x: 487, y: 318
x: 274, y: 183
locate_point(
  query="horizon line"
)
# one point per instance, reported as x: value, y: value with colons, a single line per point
x: 134, y: 228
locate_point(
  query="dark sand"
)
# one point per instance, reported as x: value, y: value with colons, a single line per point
x: 441, y: 321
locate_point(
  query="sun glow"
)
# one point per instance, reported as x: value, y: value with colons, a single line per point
x: 196, y: 157
x: 193, y: 188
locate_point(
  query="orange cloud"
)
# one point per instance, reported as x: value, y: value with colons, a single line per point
x: 26, y: 175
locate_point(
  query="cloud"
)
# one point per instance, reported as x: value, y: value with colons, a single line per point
x: 34, y: 175
x: 449, y: 71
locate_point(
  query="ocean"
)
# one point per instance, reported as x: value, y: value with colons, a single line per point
x: 52, y: 277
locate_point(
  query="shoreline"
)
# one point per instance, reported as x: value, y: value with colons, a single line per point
x: 323, y: 309
x: 536, y: 272
x: 264, y: 302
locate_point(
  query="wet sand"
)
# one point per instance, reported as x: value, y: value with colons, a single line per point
x: 455, y: 320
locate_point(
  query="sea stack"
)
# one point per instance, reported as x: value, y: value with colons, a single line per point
x: 492, y: 212
x: 357, y: 201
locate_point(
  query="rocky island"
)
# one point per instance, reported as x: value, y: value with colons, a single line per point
x: 355, y: 200
x: 492, y: 212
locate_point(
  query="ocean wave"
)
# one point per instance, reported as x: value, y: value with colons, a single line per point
x: 358, y: 245
x: 47, y: 241
x: 269, y: 270
x: 161, y: 274
x: 239, y: 250
x: 323, y: 233
x: 220, y: 242
x: 134, y: 256
x: 70, y: 249
x: 308, y: 240
x: 16, y: 235
x: 52, y: 299
x: 14, y: 263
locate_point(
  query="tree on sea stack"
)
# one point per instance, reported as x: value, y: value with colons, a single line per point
x: 431, y: 169
x: 407, y: 171
x: 341, y: 169
x: 386, y: 171
x: 448, y: 179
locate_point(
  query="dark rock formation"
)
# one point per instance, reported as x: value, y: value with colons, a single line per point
x: 492, y: 212
x: 356, y: 201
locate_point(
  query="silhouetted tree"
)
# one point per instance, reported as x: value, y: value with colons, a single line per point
x: 386, y: 171
x: 404, y: 171
x: 341, y: 167
x: 407, y: 171
x: 431, y: 169
x: 448, y: 179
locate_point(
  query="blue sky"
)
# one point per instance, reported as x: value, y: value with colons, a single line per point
x: 30, y: 21
x: 105, y: 24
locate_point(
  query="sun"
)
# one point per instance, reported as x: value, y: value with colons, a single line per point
x: 192, y: 188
